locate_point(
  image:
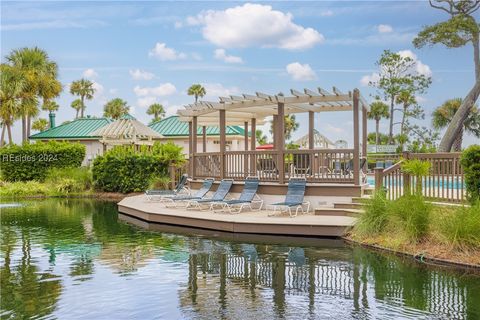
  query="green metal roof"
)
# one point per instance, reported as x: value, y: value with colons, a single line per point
x: 76, y: 129
x: 173, y: 127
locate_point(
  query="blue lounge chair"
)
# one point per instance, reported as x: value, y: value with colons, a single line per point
x: 207, y: 184
x: 219, y: 195
x: 181, y: 188
x: 294, y: 198
x: 247, y: 198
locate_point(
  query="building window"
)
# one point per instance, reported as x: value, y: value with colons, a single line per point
x: 218, y: 142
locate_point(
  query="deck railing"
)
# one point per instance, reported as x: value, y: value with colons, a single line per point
x: 319, y: 166
x: 444, y: 182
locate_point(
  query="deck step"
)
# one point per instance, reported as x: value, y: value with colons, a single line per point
x: 347, y: 205
x: 337, y: 212
x: 360, y: 199
x: 368, y: 190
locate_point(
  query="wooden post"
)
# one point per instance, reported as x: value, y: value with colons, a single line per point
x: 378, y: 178
x: 311, y: 124
x: 364, y: 138
x: 253, y: 142
x: 245, y: 156
x: 356, y: 138
x: 171, y: 169
x: 204, y: 134
x: 407, y: 188
x: 194, y: 145
x: 281, y: 142
x: 190, y: 158
x: 222, y: 143
x: 274, y: 131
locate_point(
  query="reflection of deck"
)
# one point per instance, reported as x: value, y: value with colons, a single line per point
x: 247, y: 222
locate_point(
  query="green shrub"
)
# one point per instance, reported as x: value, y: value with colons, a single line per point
x: 67, y: 180
x: 418, y: 169
x: 470, y: 162
x: 22, y: 189
x: 124, y: 169
x: 159, y: 183
x: 375, y: 216
x: 462, y: 227
x: 32, y: 161
x: 413, y: 214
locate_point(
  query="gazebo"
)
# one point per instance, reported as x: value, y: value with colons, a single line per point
x: 318, y: 166
x: 126, y: 131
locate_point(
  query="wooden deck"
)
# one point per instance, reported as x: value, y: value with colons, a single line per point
x: 246, y: 222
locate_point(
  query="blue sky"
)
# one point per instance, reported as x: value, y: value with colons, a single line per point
x: 145, y: 52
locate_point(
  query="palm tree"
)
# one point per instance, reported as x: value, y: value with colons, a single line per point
x: 77, y: 105
x: 50, y: 106
x: 40, y: 75
x: 260, y: 137
x: 157, y: 111
x: 378, y: 110
x: 197, y: 90
x: 85, y: 90
x: 406, y: 99
x: 12, y: 86
x: 443, y: 115
x: 40, y: 124
x: 115, y: 108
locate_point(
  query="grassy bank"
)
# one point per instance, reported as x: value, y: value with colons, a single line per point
x: 411, y: 225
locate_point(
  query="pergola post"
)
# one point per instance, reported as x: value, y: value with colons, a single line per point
x: 194, y: 144
x: 190, y: 158
x: 356, y: 138
x: 364, y: 137
x: 281, y: 141
x: 253, y: 147
x: 204, y: 134
x: 274, y: 131
x: 245, y: 156
x: 222, y: 142
x: 311, y: 124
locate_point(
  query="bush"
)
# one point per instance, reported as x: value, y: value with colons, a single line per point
x: 124, y: 169
x: 22, y: 189
x: 462, y: 227
x: 418, y: 169
x: 68, y: 180
x: 32, y: 161
x: 159, y: 183
x: 375, y: 217
x: 470, y: 162
x: 413, y: 214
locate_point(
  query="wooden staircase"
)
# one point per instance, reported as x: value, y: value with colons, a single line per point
x: 351, y: 209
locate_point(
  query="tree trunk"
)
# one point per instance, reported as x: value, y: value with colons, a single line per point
x: 24, y: 128
x: 377, y: 129
x: 29, y: 119
x: 76, y: 116
x: 457, y: 145
x: 402, y: 125
x: 390, y: 133
x: 458, y: 120
x: 83, y: 107
x: 4, y: 127
x: 9, y: 131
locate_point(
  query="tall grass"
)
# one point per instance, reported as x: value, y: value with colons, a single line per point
x: 462, y: 226
x: 413, y: 215
x: 69, y: 180
x: 375, y: 217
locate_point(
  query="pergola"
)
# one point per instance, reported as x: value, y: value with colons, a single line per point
x: 126, y: 131
x: 254, y: 109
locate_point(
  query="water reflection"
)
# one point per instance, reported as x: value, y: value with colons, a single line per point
x: 60, y: 257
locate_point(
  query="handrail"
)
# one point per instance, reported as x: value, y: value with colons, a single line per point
x: 392, y: 168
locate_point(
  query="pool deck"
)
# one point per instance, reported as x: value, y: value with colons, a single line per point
x: 257, y: 222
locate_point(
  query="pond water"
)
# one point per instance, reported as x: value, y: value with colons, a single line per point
x: 80, y: 259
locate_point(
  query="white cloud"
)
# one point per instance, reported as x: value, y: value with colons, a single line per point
x: 254, y: 25
x: 420, y: 67
x: 369, y: 78
x: 301, y: 72
x: 138, y: 74
x: 99, y: 89
x: 145, y: 102
x: 90, y: 73
x: 196, y: 56
x: 384, y: 28
x: 215, y: 90
x: 221, y: 54
x: 326, y: 13
x: 171, y: 110
x: 330, y: 128
x: 164, y: 53
x: 113, y: 91
x: 163, y: 89
x: 178, y: 24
